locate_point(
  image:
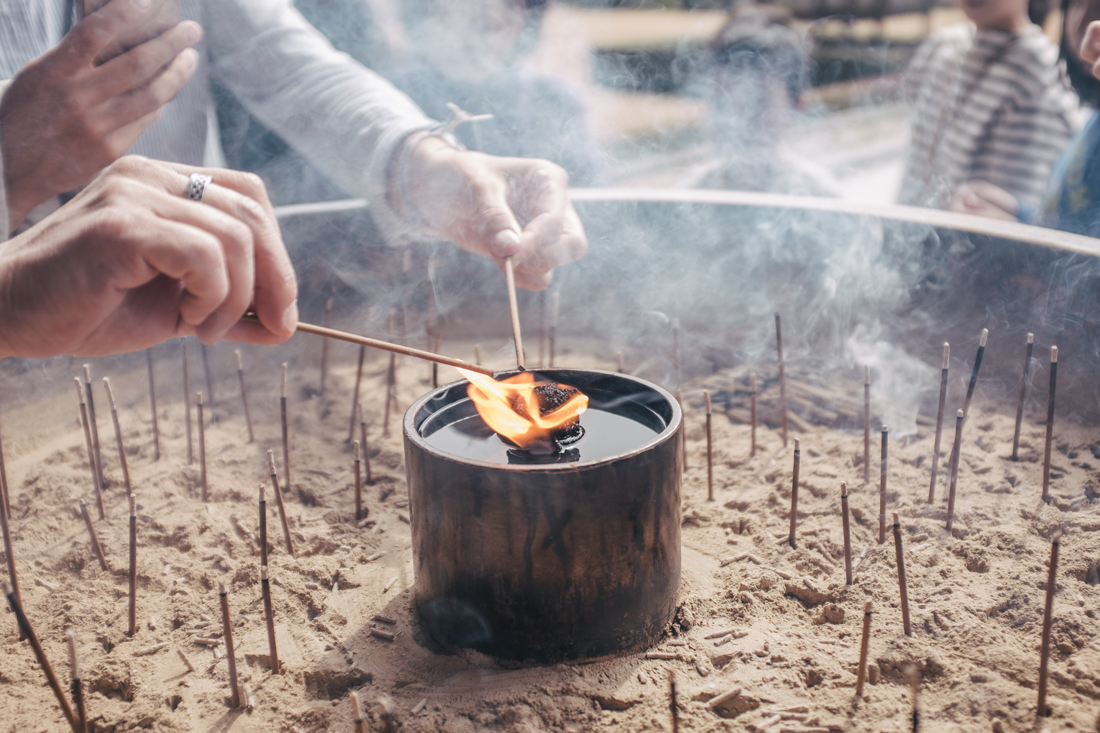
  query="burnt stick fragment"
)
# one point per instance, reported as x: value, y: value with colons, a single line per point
x: 51, y: 679
x: 939, y: 422
x: 153, y: 404
x: 1050, y: 422
x: 1020, y: 399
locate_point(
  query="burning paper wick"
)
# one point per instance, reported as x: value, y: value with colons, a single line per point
x: 524, y: 411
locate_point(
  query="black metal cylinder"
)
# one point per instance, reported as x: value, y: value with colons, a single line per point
x: 547, y: 562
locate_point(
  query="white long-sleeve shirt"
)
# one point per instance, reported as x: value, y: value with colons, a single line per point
x: 346, y: 119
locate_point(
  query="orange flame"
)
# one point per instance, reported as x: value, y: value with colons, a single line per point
x: 511, y: 407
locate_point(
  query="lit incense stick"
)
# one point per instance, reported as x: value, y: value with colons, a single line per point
x: 1020, y: 399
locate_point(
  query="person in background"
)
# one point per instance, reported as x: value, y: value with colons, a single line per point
x: 64, y: 116
x: 753, y: 79
x: 990, y: 103
x: 1072, y: 199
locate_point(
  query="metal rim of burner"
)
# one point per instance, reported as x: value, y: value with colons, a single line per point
x: 548, y: 561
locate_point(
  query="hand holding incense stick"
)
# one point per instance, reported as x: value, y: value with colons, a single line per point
x: 381, y: 345
x: 513, y: 307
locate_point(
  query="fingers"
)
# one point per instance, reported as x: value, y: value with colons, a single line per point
x: 95, y: 32
x: 570, y: 246
x: 128, y: 72
x: 147, y: 100
x: 1090, y: 46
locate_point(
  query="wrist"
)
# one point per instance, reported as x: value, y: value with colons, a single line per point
x: 418, y: 165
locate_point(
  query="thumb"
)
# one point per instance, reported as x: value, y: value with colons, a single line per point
x: 496, y: 224
x: 98, y: 29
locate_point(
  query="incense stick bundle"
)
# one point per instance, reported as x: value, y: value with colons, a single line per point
x: 355, y: 392
x: 230, y: 650
x: 269, y: 619
x: 358, y: 482
x: 1020, y: 399
x: 939, y: 422
x: 133, y: 565
x: 555, y: 306
x: 864, y: 646
x: 96, y: 547
x: 752, y: 409
x: 513, y: 308
x: 51, y: 679
x: 882, y: 486
x: 1048, y: 622
x: 202, y: 450
x: 866, y: 424
x: 847, y: 533
x: 357, y: 714
x: 782, y: 379
x: 1050, y: 422
x: 187, y: 403
x: 94, y: 425
x: 96, y: 485
x: 673, y: 705
x: 324, y: 345
x: 244, y: 395
x: 710, y: 450
x: 77, y: 684
x: 955, y: 449
x: 391, y: 394
x: 794, y: 494
x: 902, y: 584
x: 13, y: 576
x: 209, y: 384
x: 286, y: 434
x: 279, y: 503
x: 677, y: 355
x: 118, y: 433
x: 153, y: 404
x: 365, y: 446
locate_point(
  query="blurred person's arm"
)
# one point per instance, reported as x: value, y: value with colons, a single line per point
x: 981, y: 198
x: 64, y: 118
x: 130, y: 262
x: 361, y: 131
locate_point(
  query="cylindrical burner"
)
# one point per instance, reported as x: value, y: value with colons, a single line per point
x: 546, y: 561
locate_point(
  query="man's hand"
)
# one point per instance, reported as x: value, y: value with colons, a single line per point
x: 984, y: 199
x: 497, y: 208
x: 1090, y: 47
x: 64, y: 119
x: 130, y: 262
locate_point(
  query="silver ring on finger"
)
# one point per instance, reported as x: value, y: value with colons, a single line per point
x: 196, y: 185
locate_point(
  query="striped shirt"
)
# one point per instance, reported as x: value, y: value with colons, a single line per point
x: 986, y: 105
x: 345, y: 118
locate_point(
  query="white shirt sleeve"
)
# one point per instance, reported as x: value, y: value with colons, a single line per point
x: 4, y: 227
x: 348, y: 120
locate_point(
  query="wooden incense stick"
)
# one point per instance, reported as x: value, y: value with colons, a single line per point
x: 118, y: 434
x: 902, y: 584
x: 513, y: 307
x: 5, y: 490
x: 51, y: 679
x: 1048, y: 622
x: 1023, y: 393
x: 555, y: 306
x: 391, y: 394
x: 782, y: 379
x: 77, y: 684
x: 285, y: 429
x: 325, y: 345
x: 673, y: 705
x: 955, y: 448
x: 94, y: 425
x: 710, y: 450
x: 279, y: 502
x: 13, y: 576
x: 847, y: 533
x: 939, y: 422
x: 864, y: 646
x: 1050, y: 422
x: 96, y: 485
x: 202, y: 448
x: 358, y: 482
x: 866, y: 424
x: 752, y: 412
x: 914, y: 688
x: 794, y: 494
x: 209, y: 384
x: 365, y: 446
x: 263, y: 525
x: 974, y: 374
x: 357, y: 714
x: 382, y: 345
x: 153, y: 404
x: 187, y: 404
x: 355, y: 392
x: 677, y: 355
x: 269, y: 618
x: 96, y: 547
x: 683, y: 428
x: 244, y: 395
x: 133, y: 565
x: 882, y: 485
x: 230, y: 650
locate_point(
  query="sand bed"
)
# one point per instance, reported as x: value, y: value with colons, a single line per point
x: 976, y: 597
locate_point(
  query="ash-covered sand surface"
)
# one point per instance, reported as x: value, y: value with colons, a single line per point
x: 976, y: 595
